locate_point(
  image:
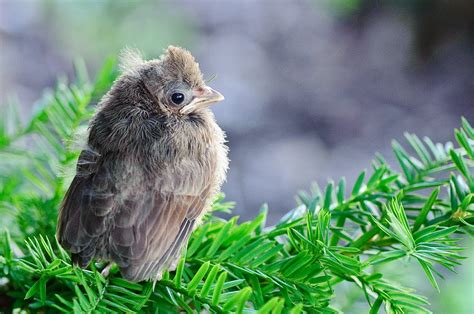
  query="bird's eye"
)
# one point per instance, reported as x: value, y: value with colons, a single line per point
x: 177, y: 98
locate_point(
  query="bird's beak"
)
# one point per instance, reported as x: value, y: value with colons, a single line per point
x: 203, y: 97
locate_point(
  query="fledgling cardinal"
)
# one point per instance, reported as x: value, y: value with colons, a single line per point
x: 154, y: 161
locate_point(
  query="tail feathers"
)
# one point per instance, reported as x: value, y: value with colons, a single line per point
x: 84, y: 257
x: 80, y: 260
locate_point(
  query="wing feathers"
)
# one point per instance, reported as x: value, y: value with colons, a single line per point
x: 166, y: 238
x: 141, y: 229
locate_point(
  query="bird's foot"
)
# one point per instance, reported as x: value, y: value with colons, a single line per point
x: 173, y: 265
x: 157, y: 278
x: 105, y: 272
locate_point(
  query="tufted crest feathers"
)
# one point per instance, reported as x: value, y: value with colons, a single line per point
x: 181, y: 61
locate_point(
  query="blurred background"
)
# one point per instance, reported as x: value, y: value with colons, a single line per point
x: 313, y: 88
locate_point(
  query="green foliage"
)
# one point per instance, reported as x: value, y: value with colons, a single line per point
x: 336, y: 234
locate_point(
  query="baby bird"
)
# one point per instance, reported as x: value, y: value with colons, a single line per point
x: 154, y: 160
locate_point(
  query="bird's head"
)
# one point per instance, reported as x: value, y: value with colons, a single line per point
x: 173, y: 82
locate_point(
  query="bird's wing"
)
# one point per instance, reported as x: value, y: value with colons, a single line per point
x: 141, y: 227
x: 144, y: 244
x: 85, y: 209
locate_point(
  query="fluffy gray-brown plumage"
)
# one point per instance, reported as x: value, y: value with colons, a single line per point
x: 154, y: 160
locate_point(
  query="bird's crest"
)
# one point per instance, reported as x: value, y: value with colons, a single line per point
x: 182, y: 62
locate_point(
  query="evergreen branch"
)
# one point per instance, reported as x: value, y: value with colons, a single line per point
x: 337, y: 233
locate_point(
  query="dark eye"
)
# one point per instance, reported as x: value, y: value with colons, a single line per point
x: 177, y: 98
